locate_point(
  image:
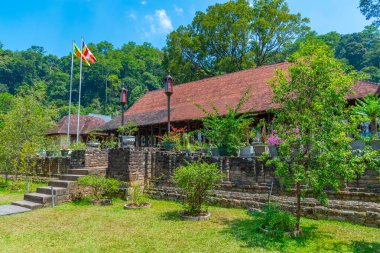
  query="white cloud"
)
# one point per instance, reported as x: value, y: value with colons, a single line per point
x: 143, y: 2
x: 159, y: 23
x: 178, y: 10
x: 164, y: 21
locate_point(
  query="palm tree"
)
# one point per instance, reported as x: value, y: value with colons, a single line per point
x: 369, y: 107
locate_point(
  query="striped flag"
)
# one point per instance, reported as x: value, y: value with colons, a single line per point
x: 78, y: 54
x: 87, y: 53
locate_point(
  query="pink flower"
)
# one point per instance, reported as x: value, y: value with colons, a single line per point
x: 274, y: 140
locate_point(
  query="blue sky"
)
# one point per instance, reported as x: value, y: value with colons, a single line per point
x: 53, y: 24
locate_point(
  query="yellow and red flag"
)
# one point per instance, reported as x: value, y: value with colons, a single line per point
x: 79, y: 54
x: 87, y: 53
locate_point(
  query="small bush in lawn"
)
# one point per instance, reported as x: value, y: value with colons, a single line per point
x: 196, y: 179
x: 136, y: 194
x: 275, y: 221
x: 101, y: 186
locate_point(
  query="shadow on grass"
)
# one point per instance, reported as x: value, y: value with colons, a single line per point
x: 82, y: 202
x: 171, y: 215
x: 365, y: 247
x: 247, y: 231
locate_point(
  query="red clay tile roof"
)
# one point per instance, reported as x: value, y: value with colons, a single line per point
x: 221, y: 90
x: 87, y: 123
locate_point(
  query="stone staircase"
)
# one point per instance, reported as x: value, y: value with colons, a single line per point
x: 61, y: 188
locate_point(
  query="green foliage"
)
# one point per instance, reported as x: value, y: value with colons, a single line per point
x: 136, y: 193
x: 371, y: 10
x: 196, y: 179
x: 129, y: 129
x: 22, y: 133
x: 139, y: 66
x: 102, y: 186
x: 171, y: 137
x: 109, y: 144
x: 78, y: 146
x: 231, y: 36
x: 311, y: 122
x: 369, y: 109
x: 361, y: 49
x: 228, y: 131
x: 274, y: 220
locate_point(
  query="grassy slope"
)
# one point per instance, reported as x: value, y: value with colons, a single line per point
x: 78, y: 227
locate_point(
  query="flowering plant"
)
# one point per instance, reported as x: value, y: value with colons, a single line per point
x: 274, y: 139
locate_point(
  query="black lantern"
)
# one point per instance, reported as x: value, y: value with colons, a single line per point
x: 123, y: 102
x: 168, y: 85
x: 168, y: 80
x: 123, y: 96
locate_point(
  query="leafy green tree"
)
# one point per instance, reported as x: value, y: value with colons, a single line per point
x: 273, y: 28
x: 360, y: 49
x: 23, y: 133
x: 314, y: 149
x: 230, y: 37
x: 371, y: 9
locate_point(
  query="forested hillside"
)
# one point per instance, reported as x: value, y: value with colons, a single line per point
x: 137, y: 66
x: 225, y: 38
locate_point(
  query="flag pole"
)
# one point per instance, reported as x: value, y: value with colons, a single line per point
x: 71, y: 88
x: 80, y: 87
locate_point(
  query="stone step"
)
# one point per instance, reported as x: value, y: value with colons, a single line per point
x: 27, y: 204
x: 45, y: 199
x: 70, y: 177
x: 38, y: 197
x: 90, y: 168
x: 62, y: 183
x: 82, y: 172
x: 56, y: 190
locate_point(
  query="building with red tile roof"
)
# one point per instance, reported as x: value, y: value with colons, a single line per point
x: 150, y: 111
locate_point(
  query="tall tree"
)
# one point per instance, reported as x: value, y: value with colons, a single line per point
x: 314, y: 149
x: 230, y: 37
x: 22, y: 137
x: 273, y: 28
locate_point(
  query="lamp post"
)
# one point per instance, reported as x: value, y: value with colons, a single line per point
x: 123, y: 102
x: 168, y: 80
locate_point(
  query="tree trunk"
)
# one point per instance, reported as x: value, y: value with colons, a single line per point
x: 298, y: 195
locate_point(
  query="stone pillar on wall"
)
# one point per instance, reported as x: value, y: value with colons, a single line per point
x: 89, y: 158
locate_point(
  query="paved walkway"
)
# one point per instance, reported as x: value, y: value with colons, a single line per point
x: 12, y: 209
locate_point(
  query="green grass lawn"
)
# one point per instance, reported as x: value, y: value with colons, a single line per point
x: 79, y: 227
x: 7, y: 195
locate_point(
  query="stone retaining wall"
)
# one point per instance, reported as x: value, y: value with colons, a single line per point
x: 56, y: 166
x: 365, y: 213
x: 240, y: 174
x: 246, y: 183
x: 52, y: 166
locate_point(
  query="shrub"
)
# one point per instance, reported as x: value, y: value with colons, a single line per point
x: 274, y: 220
x: 136, y: 194
x: 196, y: 179
x: 78, y: 146
x: 129, y: 129
x: 102, y: 186
x: 228, y: 131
